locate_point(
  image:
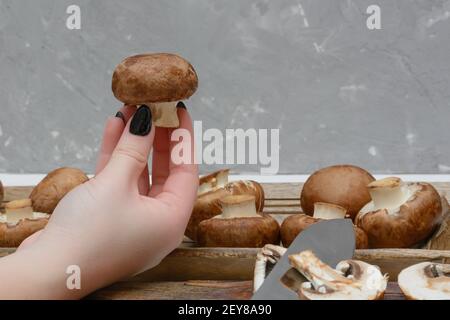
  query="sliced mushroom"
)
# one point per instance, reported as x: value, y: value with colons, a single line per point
x: 239, y: 225
x: 265, y: 261
x: 47, y: 194
x: 351, y: 280
x: 425, y: 281
x: 213, y: 188
x: 342, y: 185
x: 159, y: 80
x: 19, y: 221
x: 400, y: 214
x: 297, y: 223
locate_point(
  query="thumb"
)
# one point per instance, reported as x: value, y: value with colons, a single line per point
x: 130, y: 155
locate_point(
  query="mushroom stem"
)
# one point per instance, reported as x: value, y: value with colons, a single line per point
x: 18, y: 210
x: 213, y: 181
x: 239, y: 206
x: 388, y: 193
x: 328, y: 211
x: 164, y: 114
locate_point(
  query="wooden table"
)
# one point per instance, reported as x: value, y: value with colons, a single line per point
x: 226, y: 273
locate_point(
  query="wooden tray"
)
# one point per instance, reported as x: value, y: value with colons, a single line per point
x: 191, y: 272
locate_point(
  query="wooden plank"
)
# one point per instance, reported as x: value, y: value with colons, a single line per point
x: 190, y: 262
x: 392, y: 261
x: 185, y: 290
x: 187, y: 263
x: 274, y: 203
x: 393, y: 292
x: 238, y: 263
x: 195, y: 290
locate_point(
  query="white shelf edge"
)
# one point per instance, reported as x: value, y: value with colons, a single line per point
x: 13, y: 180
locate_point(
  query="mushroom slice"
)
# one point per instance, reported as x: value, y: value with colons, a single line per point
x: 400, y: 214
x: 425, y: 281
x: 265, y: 260
x: 214, y: 187
x: 351, y: 280
x: 239, y: 225
x: 297, y: 223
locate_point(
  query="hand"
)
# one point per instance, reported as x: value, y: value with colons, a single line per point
x: 116, y: 224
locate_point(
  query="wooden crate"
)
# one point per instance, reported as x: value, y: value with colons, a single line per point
x: 191, y: 272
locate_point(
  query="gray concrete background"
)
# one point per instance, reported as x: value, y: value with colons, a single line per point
x: 338, y: 91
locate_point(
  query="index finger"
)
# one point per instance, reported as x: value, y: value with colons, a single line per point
x: 180, y: 188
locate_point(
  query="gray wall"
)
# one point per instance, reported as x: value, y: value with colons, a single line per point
x: 337, y: 91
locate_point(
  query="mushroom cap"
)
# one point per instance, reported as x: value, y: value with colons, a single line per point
x: 153, y: 78
x: 47, y: 194
x: 361, y: 238
x: 425, y: 281
x: 12, y: 235
x: 208, y: 204
x: 296, y: 223
x: 293, y: 225
x: 343, y: 185
x: 2, y: 192
x: 246, y: 232
x: 409, y: 224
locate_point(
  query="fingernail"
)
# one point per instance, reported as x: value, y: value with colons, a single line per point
x: 141, y: 124
x: 121, y: 116
x: 181, y: 105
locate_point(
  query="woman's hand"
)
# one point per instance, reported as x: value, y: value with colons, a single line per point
x: 116, y: 224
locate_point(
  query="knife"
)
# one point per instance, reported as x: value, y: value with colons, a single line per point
x: 330, y: 240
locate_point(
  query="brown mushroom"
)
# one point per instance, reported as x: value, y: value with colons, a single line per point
x: 158, y: 80
x: 350, y: 280
x: 19, y: 221
x: 46, y: 195
x: 297, y: 223
x: 400, y: 214
x: 239, y: 225
x: 213, y: 188
x: 440, y: 239
x: 425, y: 281
x: 343, y: 185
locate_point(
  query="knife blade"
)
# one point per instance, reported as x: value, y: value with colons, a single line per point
x: 331, y: 241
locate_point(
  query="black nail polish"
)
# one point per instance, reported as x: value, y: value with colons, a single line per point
x: 141, y: 124
x: 121, y: 116
x: 181, y: 105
